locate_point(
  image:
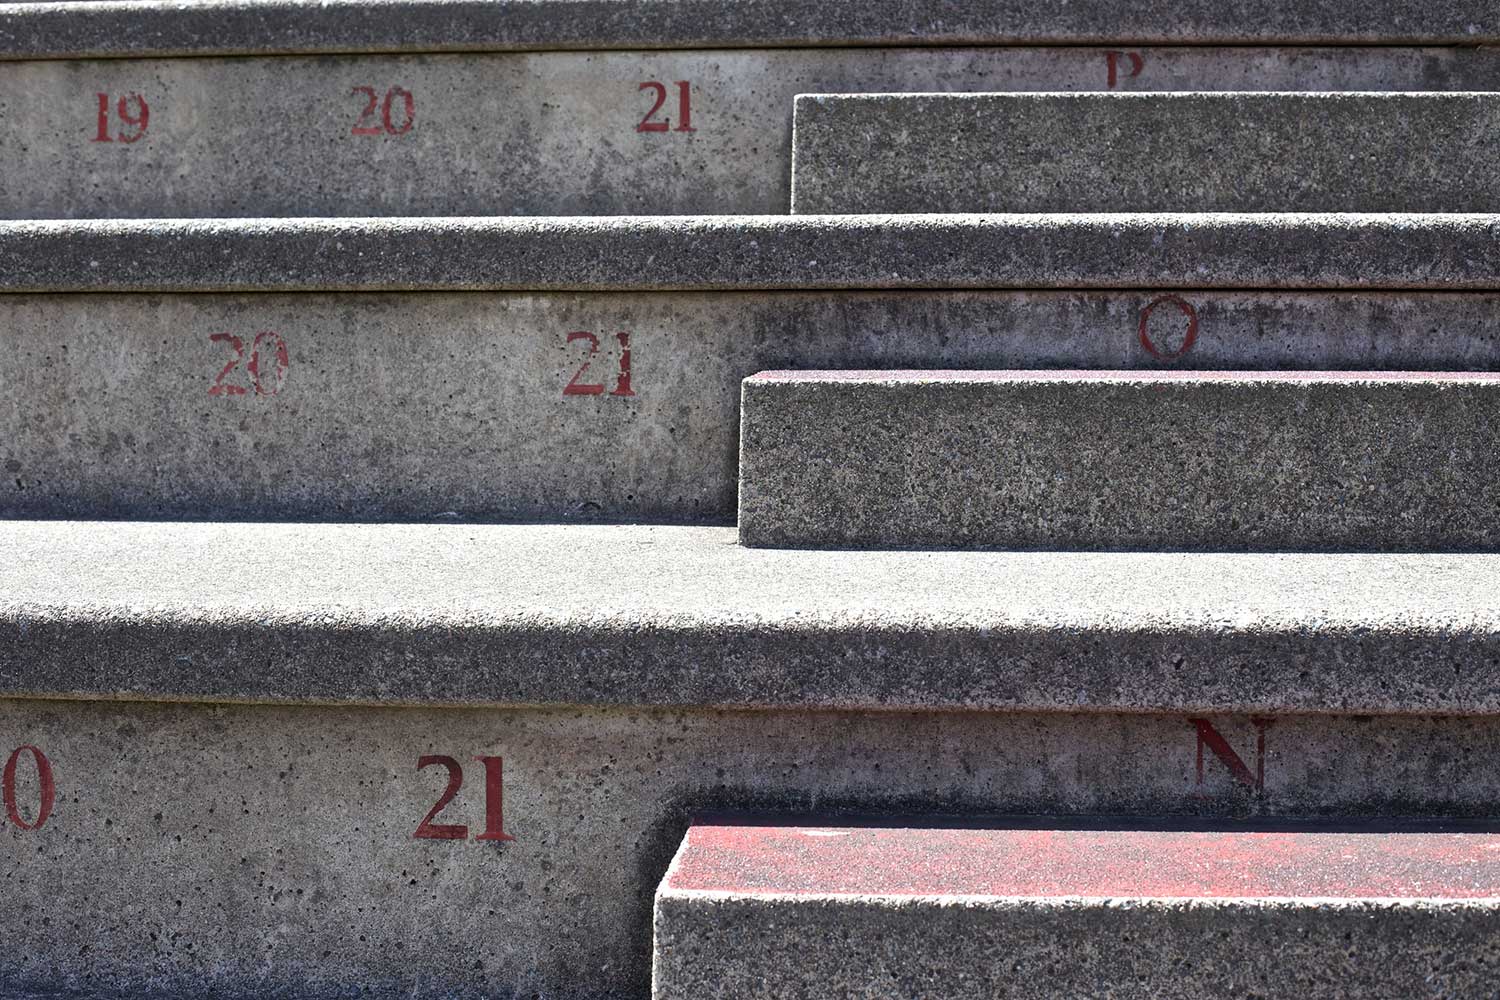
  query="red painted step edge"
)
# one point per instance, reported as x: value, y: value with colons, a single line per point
x: 1116, y: 375
x: 1040, y: 864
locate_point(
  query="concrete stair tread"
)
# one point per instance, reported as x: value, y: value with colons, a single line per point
x: 129, y: 27
x: 706, y: 253
x: 1082, y: 862
x: 1035, y: 913
x: 1120, y: 460
x: 677, y: 616
x: 1087, y: 152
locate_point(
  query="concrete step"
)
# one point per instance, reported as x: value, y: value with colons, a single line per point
x: 546, y: 133
x: 235, y: 721
x: 1027, y: 913
x: 163, y: 27
x: 1235, y: 152
x: 589, y: 369
x: 1099, y: 460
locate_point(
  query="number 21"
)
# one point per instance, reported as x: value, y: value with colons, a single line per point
x: 684, y: 108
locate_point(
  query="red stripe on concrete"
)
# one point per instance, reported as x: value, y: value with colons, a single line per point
x: 1051, y: 863
x: 1116, y: 375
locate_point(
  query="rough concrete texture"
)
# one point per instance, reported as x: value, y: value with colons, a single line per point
x: 414, y: 407
x: 753, y: 948
x: 554, y: 133
x: 525, y: 615
x: 1291, y: 251
x: 1111, y: 862
x: 1215, y: 461
x: 249, y: 852
x: 1240, y: 152
x: 178, y: 28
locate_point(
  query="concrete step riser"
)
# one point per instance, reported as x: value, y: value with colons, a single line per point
x: 878, y: 153
x: 1030, y: 913
x: 187, y: 843
x: 540, y: 134
x: 1069, y: 460
x: 413, y: 406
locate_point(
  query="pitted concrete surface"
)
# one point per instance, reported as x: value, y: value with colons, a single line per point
x: 1123, y: 949
x: 1102, y: 251
x: 524, y: 615
x: 1372, y: 152
x: 556, y: 133
x: 414, y: 407
x: 30, y: 30
x: 1198, y: 461
x: 252, y: 852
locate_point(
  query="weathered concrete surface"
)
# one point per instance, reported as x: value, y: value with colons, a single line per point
x: 1081, y: 862
x: 979, y: 914
x: 525, y: 615
x: 255, y: 852
x: 410, y: 407
x: 180, y: 28
x: 1098, y: 460
x: 879, y: 153
x: 1276, y: 250
x: 552, y: 133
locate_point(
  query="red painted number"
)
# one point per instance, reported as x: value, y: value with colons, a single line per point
x: 47, y: 792
x: 266, y: 343
x: 1112, y: 61
x: 387, y: 123
x: 622, y: 381
x: 494, y: 800
x: 1189, y: 338
x: 684, y: 108
x: 132, y: 111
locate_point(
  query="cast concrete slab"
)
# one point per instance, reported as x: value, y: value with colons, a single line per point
x: 251, y: 852
x: 126, y: 27
x: 1190, y: 152
x: 673, y: 132
x: 521, y: 615
x: 903, y: 911
x: 1099, y: 460
x: 565, y: 406
x: 1092, y: 251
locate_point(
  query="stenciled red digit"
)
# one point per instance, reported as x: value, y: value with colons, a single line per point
x: 283, y: 362
x: 494, y: 799
x: 575, y: 387
x: 47, y: 791
x: 220, y: 388
x: 411, y: 111
x: 427, y: 829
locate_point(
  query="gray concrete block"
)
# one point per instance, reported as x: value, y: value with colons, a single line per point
x: 703, y: 253
x: 180, y: 28
x: 251, y: 852
x: 874, y: 153
x: 683, y: 617
x: 549, y: 133
x: 422, y: 406
x: 790, y: 912
x: 1220, y: 461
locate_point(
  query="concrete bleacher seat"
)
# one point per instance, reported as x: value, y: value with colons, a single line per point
x: 319, y: 350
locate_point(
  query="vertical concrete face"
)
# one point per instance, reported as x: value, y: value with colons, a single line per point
x: 413, y: 406
x: 555, y: 133
x: 1231, y: 461
x: 258, y: 852
x: 1183, y: 152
